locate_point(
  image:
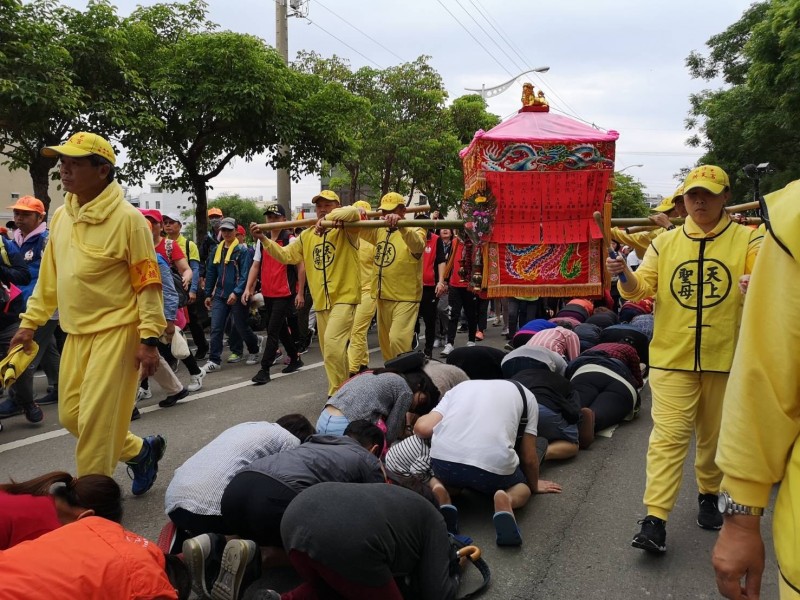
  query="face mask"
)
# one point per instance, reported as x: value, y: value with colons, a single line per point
x: 214, y: 222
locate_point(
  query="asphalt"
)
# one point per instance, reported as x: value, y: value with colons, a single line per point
x: 576, y: 544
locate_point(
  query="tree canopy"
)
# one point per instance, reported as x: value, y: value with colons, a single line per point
x: 755, y: 118
x: 627, y: 197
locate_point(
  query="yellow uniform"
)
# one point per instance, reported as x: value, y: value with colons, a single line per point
x: 694, y: 278
x: 358, y: 351
x: 332, y: 272
x: 758, y: 444
x: 99, y: 269
x: 396, y: 285
x: 639, y: 241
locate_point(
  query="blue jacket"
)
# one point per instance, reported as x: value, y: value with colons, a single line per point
x: 14, y: 271
x: 222, y: 279
x: 32, y: 251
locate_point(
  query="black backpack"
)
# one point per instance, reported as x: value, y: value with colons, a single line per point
x: 183, y: 295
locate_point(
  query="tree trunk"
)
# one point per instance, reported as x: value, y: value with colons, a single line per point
x: 354, y: 187
x: 201, y: 207
x: 39, y: 170
x: 411, y: 191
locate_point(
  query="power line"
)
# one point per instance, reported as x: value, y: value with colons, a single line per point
x: 488, y: 35
x: 341, y: 41
x: 477, y: 41
x: 489, y: 19
x: 369, y: 37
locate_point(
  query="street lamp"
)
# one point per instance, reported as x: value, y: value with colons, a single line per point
x: 628, y: 167
x: 499, y: 89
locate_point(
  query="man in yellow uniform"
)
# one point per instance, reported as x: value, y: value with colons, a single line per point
x: 100, y: 271
x: 671, y: 207
x: 330, y: 257
x: 396, y: 277
x: 358, y: 350
x: 758, y: 441
x: 693, y: 273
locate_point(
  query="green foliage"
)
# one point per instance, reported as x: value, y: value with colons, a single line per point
x: 627, y: 197
x: 469, y: 115
x: 756, y: 117
x: 61, y: 71
x: 244, y: 210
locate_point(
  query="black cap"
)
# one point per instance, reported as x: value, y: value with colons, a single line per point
x: 275, y: 209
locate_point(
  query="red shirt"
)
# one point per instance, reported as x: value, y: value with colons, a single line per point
x: 25, y: 517
x: 458, y: 249
x: 177, y: 252
x: 275, y: 282
x: 429, y: 276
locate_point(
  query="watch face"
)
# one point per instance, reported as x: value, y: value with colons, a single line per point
x: 722, y: 502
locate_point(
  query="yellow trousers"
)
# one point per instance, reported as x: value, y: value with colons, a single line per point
x: 396, y: 326
x: 333, y: 329
x: 96, y: 393
x: 358, y: 351
x: 683, y: 402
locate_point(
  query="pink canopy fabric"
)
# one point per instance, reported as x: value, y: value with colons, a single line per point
x: 547, y: 127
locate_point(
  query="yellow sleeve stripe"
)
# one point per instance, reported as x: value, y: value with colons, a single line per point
x: 144, y: 273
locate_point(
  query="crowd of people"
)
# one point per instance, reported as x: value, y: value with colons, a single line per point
x: 122, y: 284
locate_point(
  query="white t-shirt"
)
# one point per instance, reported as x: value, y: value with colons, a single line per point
x: 479, y: 425
x: 633, y: 259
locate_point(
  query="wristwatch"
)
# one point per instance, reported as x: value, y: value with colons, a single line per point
x: 727, y: 506
x: 149, y: 341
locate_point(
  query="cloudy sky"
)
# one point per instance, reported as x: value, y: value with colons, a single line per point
x: 619, y: 64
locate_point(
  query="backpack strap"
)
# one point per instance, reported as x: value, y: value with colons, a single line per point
x: 523, y: 417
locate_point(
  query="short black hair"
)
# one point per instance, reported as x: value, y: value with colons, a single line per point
x: 297, y: 425
x: 178, y: 575
x: 365, y: 433
x: 99, y: 161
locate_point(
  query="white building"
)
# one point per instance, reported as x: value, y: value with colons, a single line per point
x: 166, y: 202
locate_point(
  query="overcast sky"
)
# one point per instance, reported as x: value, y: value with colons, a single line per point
x: 619, y: 64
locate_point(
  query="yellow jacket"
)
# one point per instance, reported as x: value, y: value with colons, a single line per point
x: 397, y: 270
x: 330, y: 259
x: 639, y: 241
x: 682, y: 266
x: 758, y: 443
x: 98, y: 269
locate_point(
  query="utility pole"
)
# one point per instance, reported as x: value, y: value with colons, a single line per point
x: 282, y: 46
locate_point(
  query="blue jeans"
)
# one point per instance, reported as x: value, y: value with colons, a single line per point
x: 553, y: 427
x: 219, y: 314
x: 331, y: 424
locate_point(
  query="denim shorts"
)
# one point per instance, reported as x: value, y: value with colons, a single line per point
x: 553, y: 427
x: 458, y: 475
x: 331, y: 424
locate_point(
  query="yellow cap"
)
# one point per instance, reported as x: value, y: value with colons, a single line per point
x: 80, y: 145
x: 391, y: 201
x: 326, y: 195
x: 708, y: 177
x: 362, y: 204
x: 666, y: 205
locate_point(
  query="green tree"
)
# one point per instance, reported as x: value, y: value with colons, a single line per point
x: 755, y: 118
x: 469, y: 114
x: 208, y: 97
x: 61, y: 71
x: 627, y: 197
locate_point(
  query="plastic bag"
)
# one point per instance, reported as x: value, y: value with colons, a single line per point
x: 180, y: 348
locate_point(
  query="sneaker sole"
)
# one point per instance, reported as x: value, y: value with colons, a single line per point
x: 237, y: 555
x: 709, y: 527
x: 648, y: 545
x: 194, y: 558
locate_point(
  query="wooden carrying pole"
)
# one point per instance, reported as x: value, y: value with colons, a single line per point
x: 647, y: 223
x: 423, y: 223
x: 310, y: 222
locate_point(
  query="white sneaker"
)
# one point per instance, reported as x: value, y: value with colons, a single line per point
x: 143, y: 394
x: 196, y: 381
x: 447, y: 350
x: 252, y: 358
x: 211, y: 366
x: 470, y: 344
x: 437, y: 343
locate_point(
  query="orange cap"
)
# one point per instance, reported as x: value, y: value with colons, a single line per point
x: 214, y: 212
x: 29, y: 204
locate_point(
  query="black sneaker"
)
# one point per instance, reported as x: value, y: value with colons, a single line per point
x: 241, y: 566
x: 33, y: 413
x: 292, y: 366
x: 653, y: 535
x: 200, y: 353
x: 136, y: 415
x: 173, y: 400
x: 261, y: 377
x: 50, y: 398
x: 709, y: 517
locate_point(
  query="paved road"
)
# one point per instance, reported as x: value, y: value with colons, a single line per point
x: 576, y: 544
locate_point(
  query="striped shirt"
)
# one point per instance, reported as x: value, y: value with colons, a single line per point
x: 198, y: 484
x: 411, y: 457
x: 558, y: 339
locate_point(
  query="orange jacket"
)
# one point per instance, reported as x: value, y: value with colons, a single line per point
x: 92, y: 558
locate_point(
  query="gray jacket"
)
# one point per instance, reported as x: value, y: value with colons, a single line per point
x: 321, y: 458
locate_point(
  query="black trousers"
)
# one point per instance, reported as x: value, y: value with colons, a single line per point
x: 427, y: 310
x: 609, y: 398
x: 462, y: 298
x: 253, y: 505
x: 278, y: 330
x: 198, y: 316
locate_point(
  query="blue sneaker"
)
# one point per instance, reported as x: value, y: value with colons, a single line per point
x: 144, y: 468
x: 9, y: 408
